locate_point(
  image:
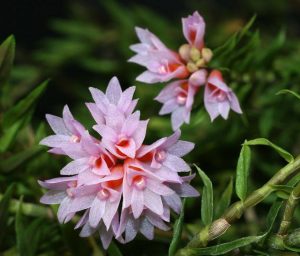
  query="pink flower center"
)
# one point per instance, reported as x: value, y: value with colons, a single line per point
x: 220, y: 96
x: 72, y: 184
x: 160, y: 156
x: 115, y: 183
x: 75, y: 138
x: 181, y: 98
x: 70, y: 192
x: 139, y: 182
x: 103, y: 194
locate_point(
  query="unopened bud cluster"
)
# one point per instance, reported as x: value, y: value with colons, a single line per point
x: 195, y: 58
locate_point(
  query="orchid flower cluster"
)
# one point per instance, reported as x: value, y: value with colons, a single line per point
x: 188, y: 71
x: 120, y: 185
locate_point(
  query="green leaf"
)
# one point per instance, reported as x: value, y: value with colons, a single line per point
x: 28, y: 235
x: 17, y: 159
x: 113, y: 250
x: 177, y: 230
x: 231, y: 43
x: 7, y: 55
x: 262, y: 141
x: 207, y: 204
x: 225, y: 200
x: 246, y: 28
x: 225, y: 247
x: 286, y: 91
x: 242, y: 172
x: 271, y: 217
x: 4, y: 206
x: 23, y: 106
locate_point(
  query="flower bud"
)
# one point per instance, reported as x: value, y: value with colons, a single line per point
x: 191, y: 67
x: 218, y: 228
x: 184, y: 51
x: 195, y: 54
x: 207, y: 54
x: 200, y: 63
x: 198, y: 78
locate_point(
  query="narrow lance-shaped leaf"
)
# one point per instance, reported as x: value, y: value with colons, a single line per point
x: 177, y: 231
x: 10, y: 134
x: 207, y: 204
x: 286, y: 91
x: 7, y: 55
x: 262, y: 141
x: 20, y: 230
x: 221, y: 249
x: 23, y: 106
x: 4, y: 205
x: 242, y: 172
x: 225, y: 200
x: 271, y: 217
x: 113, y: 250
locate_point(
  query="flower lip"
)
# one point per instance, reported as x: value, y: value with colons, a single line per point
x: 181, y: 98
x: 139, y: 182
x: 103, y: 194
x: 74, y: 138
x: 160, y: 156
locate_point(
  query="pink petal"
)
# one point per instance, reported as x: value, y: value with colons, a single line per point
x: 57, y: 183
x: 176, y: 164
x: 168, y: 107
x: 53, y: 197
x: 177, y: 118
x: 131, y: 124
x: 159, y: 188
x: 75, y: 167
x: 57, y: 125
x: 96, y: 113
x: 140, y: 133
x: 147, y: 229
x: 137, y: 203
x: 87, y: 230
x: 55, y: 140
x: 174, y: 202
x: 97, y: 211
x: 148, y: 148
x: 128, y: 150
x: 105, y: 236
x: 110, y: 212
x: 114, y: 90
x: 100, y: 99
x: 181, y: 148
x: 153, y: 202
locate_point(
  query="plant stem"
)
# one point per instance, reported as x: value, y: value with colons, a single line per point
x: 289, y: 210
x: 235, y: 211
x: 30, y: 209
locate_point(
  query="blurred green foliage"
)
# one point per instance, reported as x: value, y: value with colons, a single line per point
x: 91, y: 45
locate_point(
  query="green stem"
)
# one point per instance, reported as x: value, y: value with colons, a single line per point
x: 30, y: 209
x: 235, y: 211
x: 289, y: 210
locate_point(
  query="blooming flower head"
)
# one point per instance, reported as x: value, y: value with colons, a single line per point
x: 218, y: 97
x: 120, y: 185
x: 186, y: 66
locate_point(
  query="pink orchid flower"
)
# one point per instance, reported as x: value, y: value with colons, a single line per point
x: 117, y: 182
x: 218, y: 97
x: 187, y: 68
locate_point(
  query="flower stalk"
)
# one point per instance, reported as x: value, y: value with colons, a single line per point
x: 236, y: 210
x: 289, y: 210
